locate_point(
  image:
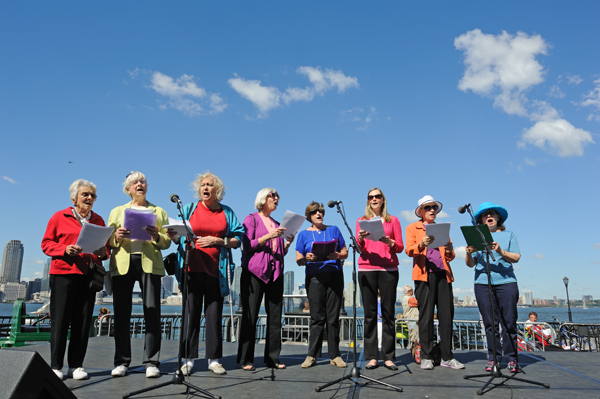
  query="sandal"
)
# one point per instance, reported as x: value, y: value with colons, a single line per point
x: 248, y: 367
x: 279, y: 366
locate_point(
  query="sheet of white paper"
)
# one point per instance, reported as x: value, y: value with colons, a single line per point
x: 440, y: 232
x: 179, y: 227
x: 292, y: 222
x: 375, y: 228
x: 93, y: 237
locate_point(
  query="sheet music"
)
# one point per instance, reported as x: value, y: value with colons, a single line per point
x: 93, y: 237
x: 440, y: 232
x: 292, y: 222
x: 374, y: 227
x: 136, y: 222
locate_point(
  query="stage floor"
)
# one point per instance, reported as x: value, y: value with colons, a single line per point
x: 570, y: 374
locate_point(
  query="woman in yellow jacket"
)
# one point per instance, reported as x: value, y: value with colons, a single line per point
x: 433, y: 284
x: 141, y: 261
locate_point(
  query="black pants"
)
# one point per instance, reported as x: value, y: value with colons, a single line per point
x: 122, y: 292
x: 505, y: 297
x: 435, y: 292
x: 386, y: 282
x: 252, y: 290
x: 203, y: 288
x: 71, y: 304
x: 325, y: 292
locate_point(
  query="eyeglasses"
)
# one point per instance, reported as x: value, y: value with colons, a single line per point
x: 378, y: 196
x: 85, y: 195
x: 273, y: 195
x: 427, y: 208
x: 321, y: 211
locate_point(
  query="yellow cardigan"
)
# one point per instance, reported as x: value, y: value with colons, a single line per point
x: 152, y: 260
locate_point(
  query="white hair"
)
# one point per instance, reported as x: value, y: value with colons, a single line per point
x: 130, y: 178
x: 261, y: 197
x: 407, y: 288
x: 196, y: 184
x: 77, y: 184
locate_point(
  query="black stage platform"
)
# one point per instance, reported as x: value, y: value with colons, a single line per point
x: 570, y: 375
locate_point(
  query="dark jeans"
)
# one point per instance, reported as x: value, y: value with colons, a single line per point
x: 122, y: 293
x: 325, y: 292
x: 505, y: 298
x: 71, y: 304
x: 203, y: 288
x: 252, y: 290
x: 435, y: 292
x: 386, y: 282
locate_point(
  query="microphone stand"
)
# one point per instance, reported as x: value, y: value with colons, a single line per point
x: 178, y: 377
x: 495, y: 371
x: 355, y: 374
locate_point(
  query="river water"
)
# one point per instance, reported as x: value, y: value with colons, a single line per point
x: 588, y: 316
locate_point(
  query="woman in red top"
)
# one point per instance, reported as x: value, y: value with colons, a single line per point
x: 378, y: 272
x: 71, y: 302
x: 218, y: 231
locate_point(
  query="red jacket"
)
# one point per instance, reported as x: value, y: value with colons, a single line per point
x: 63, y: 230
x: 415, y: 232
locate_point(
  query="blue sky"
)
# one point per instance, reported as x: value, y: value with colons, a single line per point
x: 464, y: 101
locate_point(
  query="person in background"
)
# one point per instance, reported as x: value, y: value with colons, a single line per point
x: 378, y: 272
x: 262, y: 276
x: 141, y: 261
x: 433, y: 285
x: 505, y: 291
x: 324, y: 284
x: 218, y: 231
x: 411, y: 311
x: 71, y: 301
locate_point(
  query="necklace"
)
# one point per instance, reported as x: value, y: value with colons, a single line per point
x: 319, y: 232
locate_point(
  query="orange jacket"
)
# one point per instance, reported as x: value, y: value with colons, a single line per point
x: 415, y: 232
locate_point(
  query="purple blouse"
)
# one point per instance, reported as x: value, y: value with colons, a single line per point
x: 260, y: 259
x: 434, y: 260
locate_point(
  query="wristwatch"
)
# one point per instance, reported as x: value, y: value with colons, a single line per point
x: 225, y: 241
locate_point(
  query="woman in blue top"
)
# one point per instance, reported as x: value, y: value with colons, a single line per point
x: 324, y: 284
x: 505, y: 291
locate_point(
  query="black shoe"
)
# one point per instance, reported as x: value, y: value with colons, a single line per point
x: 392, y: 367
x: 370, y: 366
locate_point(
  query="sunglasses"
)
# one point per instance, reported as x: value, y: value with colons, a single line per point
x: 321, y: 211
x: 427, y: 208
x: 273, y: 195
x: 378, y: 196
x: 85, y: 195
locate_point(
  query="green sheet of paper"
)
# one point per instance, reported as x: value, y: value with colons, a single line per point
x: 473, y: 238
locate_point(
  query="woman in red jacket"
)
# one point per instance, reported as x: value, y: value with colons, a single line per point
x: 71, y: 302
x: 433, y: 284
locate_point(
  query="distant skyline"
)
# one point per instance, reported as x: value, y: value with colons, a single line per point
x: 465, y: 101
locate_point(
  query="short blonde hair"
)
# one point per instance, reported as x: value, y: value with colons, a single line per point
x: 369, y: 214
x: 261, y: 197
x: 196, y: 184
x: 77, y: 184
x: 130, y: 178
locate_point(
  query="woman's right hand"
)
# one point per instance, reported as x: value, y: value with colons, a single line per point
x: 310, y: 257
x: 362, y: 234
x: 426, y: 241
x: 173, y: 236
x: 72, y: 250
x: 469, y: 261
x: 121, y: 234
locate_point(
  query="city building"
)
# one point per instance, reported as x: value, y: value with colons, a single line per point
x: 10, y: 292
x: 12, y: 261
x: 166, y: 286
x: 45, y: 287
x: 527, y: 297
x: 587, y: 298
x: 33, y: 287
x: 237, y: 277
x: 288, y: 289
x: 348, y: 295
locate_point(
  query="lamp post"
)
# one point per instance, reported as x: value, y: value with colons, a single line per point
x: 566, y: 281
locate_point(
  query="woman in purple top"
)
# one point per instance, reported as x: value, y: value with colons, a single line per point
x: 263, y: 250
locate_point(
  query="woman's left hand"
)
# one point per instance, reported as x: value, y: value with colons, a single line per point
x: 207, y: 241
x: 101, y: 253
x: 333, y: 256
x: 496, y: 247
x: 449, y: 247
x: 153, y: 231
x: 289, y: 241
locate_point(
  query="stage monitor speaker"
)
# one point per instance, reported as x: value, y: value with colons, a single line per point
x: 25, y: 375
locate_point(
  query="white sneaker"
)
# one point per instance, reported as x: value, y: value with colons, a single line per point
x: 59, y: 374
x: 455, y: 364
x: 426, y: 364
x: 186, y: 369
x: 78, y: 373
x: 217, y: 368
x: 152, y: 372
x: 119, y: 371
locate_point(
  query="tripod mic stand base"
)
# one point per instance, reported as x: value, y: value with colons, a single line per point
x: 177, y: 379
x: 496, y: 373
x: 355, y: 375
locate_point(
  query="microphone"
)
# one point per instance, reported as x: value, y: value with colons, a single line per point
x: 175, y: 198
x: 331, y: 204
x: 463, y: 209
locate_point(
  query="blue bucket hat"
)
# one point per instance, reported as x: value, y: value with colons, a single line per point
x: 490, y: 206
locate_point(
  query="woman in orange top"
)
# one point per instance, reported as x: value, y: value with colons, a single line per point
x: 433, y: 284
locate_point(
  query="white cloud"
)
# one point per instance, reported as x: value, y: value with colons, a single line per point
x: 574, y: 79
x: 537, y: 256
x: 267, y: 98
x: 557, y: 136
x: 556, y: 92
x: 355, y: 115
x: 460, y: 252
x: 530, y: 162
x: 501, y: 66
x: 348, y: 262
x: 184, y: 86
x: 593, y: 100
x: 38, y: 261
x: 8, y: 179
x: 597, y: 245
x: 442, y: 215
x: 409, y: 216
x: 37, y: 275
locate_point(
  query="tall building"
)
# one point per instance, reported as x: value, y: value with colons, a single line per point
x: 235, y: 286
x: 12, y: 261
x: 587, y: 298
x: 12, y: 291
x: 33, y: 287
x: 288, y: 289
x: 527, y: 297
x: 46, y: 277
x: 348, y: 295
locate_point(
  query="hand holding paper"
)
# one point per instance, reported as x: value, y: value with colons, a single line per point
x: 292, y: 223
